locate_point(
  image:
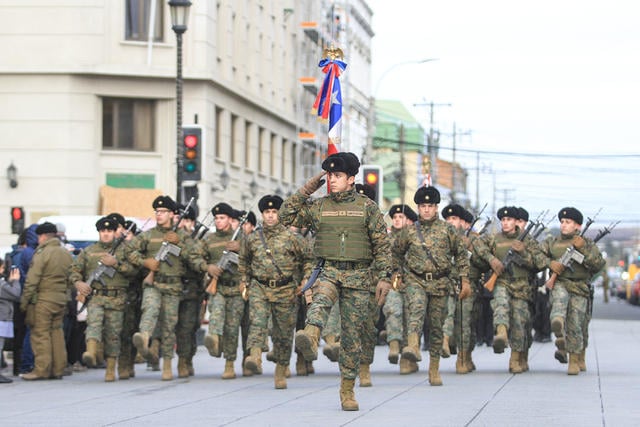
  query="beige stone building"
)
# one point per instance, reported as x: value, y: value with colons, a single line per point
x: 88, y: 90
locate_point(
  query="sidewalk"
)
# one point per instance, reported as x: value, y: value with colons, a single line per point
x: 607, y: 394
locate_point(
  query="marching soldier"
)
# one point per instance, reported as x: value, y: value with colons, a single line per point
x: 270, y: 259
x: 570, y: 312
x: 108, y: 294
x: 427, y: 253
x: 351, y: 240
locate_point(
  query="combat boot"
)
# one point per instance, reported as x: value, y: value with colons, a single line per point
x: 310, y: 369
x: 229, y: 373
x: 394, y: 352
x: 190, y: 369
x: 100, y: 355
x: 212, y: 343
x: 307, y: 342
x: 500, y: 339
x: 557, y: 326
x: 446, y: 351
x: 89, y: 356
x: 412, y: 349
x: 123, y: 368
x: 253, y: 360
x: 280, y: 378
x: 461, y: 363
x: 141, y: 341
x: 469, y: 361
x: 183, y: 368
x: 434, y: 371
x: 405, y: 366
x: 514, y: 362
x: 365, y: 375
x: 581, y: 362
x: 153, y: 355
x: 110, y: 373
x: 167, y: 374
x: 347, y: 396
x: 574, y: 364
x: 524, y: 360
x: 331, y: 348
x: 271, y: 357
x: 301, y: 366
x: 561, y: 356
x: 413, y: 366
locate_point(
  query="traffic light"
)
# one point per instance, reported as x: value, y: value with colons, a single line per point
x: 17, y: 220
x: 372, y: 175
x: 191, y: 153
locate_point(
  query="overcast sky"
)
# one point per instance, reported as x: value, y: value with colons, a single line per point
x: 559, y: 80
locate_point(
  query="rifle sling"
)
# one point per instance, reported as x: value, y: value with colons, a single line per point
x: 424, y: 246
x: 273, y: 261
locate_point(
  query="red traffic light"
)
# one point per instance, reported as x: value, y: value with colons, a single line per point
x: 17, y: 214
x: 371, y: 178
x: 190, y: 141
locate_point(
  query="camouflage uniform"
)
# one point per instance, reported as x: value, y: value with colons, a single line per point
x: 272, y: 291
x: 130, y: 322
x: 345, y: 277
x: 393, y: 306
x: 106, y: 307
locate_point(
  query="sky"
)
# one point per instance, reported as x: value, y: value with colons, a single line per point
x: 553, y: 86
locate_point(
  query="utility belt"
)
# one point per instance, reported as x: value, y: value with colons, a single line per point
x: 273, y: 283
x: 109, y: 292
x: 429, y: 277
x: 347, y: 265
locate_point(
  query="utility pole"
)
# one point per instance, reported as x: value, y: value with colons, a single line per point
x: 432, y: 147
x: 401, y: 178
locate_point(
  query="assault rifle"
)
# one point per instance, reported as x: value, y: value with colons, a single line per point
x: 200, y: 228
x: 314, y: 275
x: 509, y: 258
x: 475, y: 219
x: 102, y: 270
x: 167, y: 248
x: 225, y: 262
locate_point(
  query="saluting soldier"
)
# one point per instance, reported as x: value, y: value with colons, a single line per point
x: 108, y: 294
x: 570, y: 297
x: 351, y: 237
x: 427, y: 253
x: 270, y: 259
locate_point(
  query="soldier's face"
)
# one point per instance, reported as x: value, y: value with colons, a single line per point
x: 508, y: 224
x: 521, y: 223
x: 120, y: 231
x: 340, y: 181
x: 453, y: 220
x: 399, y: 220
x: 164, y: 217
x: 107, y: 236
x: 247, y: 228
x: 222, y: 222
x: 428, y: 211
x: 270, y: 217
x: 569, y: 226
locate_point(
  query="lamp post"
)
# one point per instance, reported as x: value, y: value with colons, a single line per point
x: 12, y: 175
x: 179, y: 18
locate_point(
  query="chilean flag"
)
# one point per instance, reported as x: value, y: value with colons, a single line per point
x: 328, y: 103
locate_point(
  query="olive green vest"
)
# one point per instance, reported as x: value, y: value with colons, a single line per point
x: 342, y: 234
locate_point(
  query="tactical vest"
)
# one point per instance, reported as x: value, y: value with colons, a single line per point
x: 342, y: 233
x: 577, y: 271
x: 503, y: 244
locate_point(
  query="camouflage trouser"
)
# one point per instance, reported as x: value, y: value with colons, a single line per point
x: 332, y: 326
x: 369, y: 332
x: 515, y: 314
x: 104, y: 322
x: 187, y: 327
x: 216, y: 314
x: 162, y: 309
x: 282, y: 311
x: 449, y: 321
x: 463, y: 311
x: 421, y: 304
x: 574, y: 309
x: 354, y: 310
x: 233, y: 311
x: 394, y: 316
x: 130, y: 321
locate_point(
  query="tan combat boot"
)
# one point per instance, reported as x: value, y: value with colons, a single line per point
x: 500, y: 340
x: 574, y: 364
x: 405, y: 366
x: 141, y: 341
x: 183, y: 367
x: 394, y: 352
x: 461, y: 363
x: 347, y: 396
x: 123, y: 369
x: 581, y: 362
x: 307, y: 342
x: 469, y: 361
x: 89, y: 356
x: 100, y: 355
x: 229, y: 373
x: 365, y: 375
x: 167, y: 374
x: 524, y: 360
x: 310, y: 369
x: 252, y: 361
x: 434, y: 371
x: 271, y: 357
x: 212, y: 343
x: 412, y: 349
x: 280, y: 378
x: 110, y: 373
x: 192, y: 372
x: 153, y: 355
x: 446, y: 351
x: 331, y: 348
x: 413, y: 366
x: 514, y: 362
x: 301, y: 366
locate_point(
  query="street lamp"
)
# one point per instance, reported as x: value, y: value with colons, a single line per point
x: 224, y: 179
x: 179, y: 18
x: 12, y: 175
x: 253, y: 187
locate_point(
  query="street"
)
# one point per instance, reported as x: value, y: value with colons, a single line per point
x: 607, y: 394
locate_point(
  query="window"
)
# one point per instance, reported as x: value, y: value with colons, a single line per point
x: 137, y: 20
x: 127, y: 124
